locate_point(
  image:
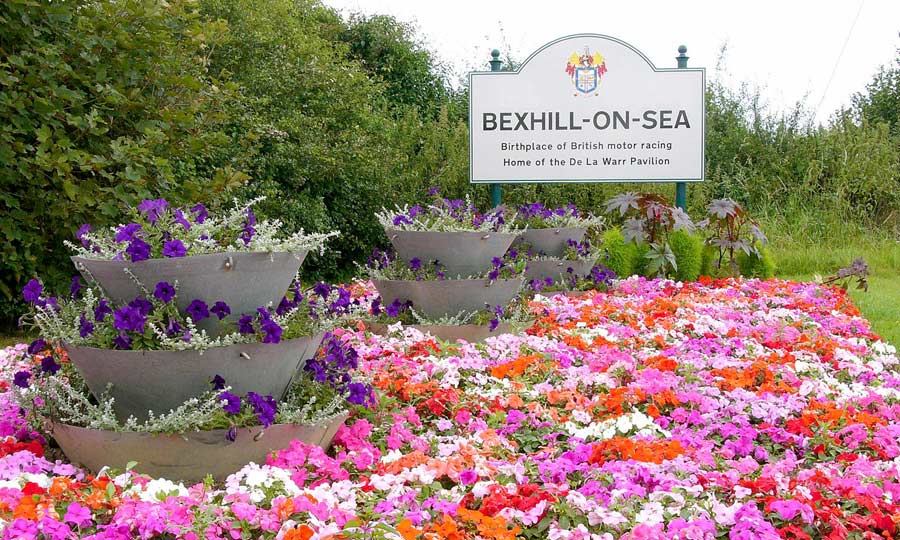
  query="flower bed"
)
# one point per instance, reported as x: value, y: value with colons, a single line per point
x: 718, y: 409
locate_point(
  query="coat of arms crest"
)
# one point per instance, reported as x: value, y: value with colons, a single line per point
x: 586, y: 69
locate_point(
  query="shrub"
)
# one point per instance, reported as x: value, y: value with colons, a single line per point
x: 758, y: 266
x: 688, y: 249
x: 102, y: 104
x: 620, y: 255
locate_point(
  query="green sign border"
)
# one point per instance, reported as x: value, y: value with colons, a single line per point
x: 540, y: 181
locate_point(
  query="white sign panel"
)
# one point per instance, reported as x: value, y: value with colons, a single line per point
x: 587, y: 108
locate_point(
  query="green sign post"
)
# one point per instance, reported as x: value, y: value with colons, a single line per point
x: 496, y: 65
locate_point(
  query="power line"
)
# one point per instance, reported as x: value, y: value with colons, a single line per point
x: 840, y: 55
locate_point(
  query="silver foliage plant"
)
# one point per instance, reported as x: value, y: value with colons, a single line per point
x: 445, y: 215
x: 233, y: 231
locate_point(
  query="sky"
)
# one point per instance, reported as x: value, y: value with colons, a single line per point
x: 820, y: 51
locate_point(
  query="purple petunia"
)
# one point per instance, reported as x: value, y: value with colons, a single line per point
x: 200, y: 213
x: 415, y: 264
x: 37, y: 346
x: 164, y: 291
x: 220, y: 309
x: 129, y: 318
x: 85, y: 326
x: 102, y: 310
x: 83, y: 230
x: 232, y: 403
x: 358, y: 393
x: 218, y: 382
x: 179, y: 218
x: 21, y: 379
x: 264, y: 408
x: 49, y: 365
x: 138, y: 250
x: 75, y: 287
x: 245, y: 325
x: 153, y: 208
x: 231, y: 434
x: 272, y: 331
x: 197, y: 310
x: 126, y: 233
x: 122, y: 341
x: 174, y: 248
x: 142, y: 305
x: 32, y: 291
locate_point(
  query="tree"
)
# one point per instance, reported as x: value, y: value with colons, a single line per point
x: 102, y: 103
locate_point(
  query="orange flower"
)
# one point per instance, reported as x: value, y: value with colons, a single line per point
x: 301, y: 532
x: 407, y: 531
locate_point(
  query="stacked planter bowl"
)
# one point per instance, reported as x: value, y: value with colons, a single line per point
x: 462, y: 254
x: 142, y: 381
x: 552, y: 242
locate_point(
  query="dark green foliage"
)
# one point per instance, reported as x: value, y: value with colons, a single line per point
x: 880, y: 103
x: 390, y: 50
x: 758, y: 266
x: 707, y: 259
x: 688, y: 249
x: 620, y: 255
x: 101, y: 104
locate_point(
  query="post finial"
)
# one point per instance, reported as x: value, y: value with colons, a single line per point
x: 495, y: 53
x: 682, y: 58
x: 682, y: 49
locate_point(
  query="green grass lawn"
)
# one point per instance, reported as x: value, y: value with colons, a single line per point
x: 881, y: 304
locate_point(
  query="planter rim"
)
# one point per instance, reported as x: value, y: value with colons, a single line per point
x: 68, y: 346
x: 221, y: 431
x: 389, y: 231
x: 214, y: 254
x: 463, y: 280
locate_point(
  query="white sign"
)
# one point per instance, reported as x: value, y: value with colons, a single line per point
x: 587, y: 108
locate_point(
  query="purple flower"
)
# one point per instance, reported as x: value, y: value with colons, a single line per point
x: 101, y: 310
x: 221, y: 310
x: 85, y: 327
x: 78, y: 515
x: 494, y: 274
x: 285, y: 305
x: 358, y: 393
x: 395, y: 308
x: 245, y: 325
x: 75, y: 287
x: 231, y: 434
x: 322, y: 289
x: 37, y: 346
x: 495, y: 322
x: 142, y: 305
x: 21, y: 379
x: 264, y: 408
x: 251, y: 217
x: 49, y: 365
x: 164, y: 291
x: 468, y: 477
x: 83, y: 230
x: 232, y: 403
x: 32, y: 291
x: 415, y: 264
x: 218, y: 382
x: 198, y: 310
x: 179, y: 217
x: 272, y: 330
x: 138, y: 250
x: 173, y: 328
x: 247, y: 234
x: 129, y: 318
x: 174, y: 248
x: 200, y: 213
x: 126, y: 233
x: 434, y: 190
x: 376, y: 306
x: 153, y: 208
x: 122, y: 341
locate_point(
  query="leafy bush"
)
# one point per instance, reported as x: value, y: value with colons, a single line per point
x: 620, y: 255
x: 758, y: 265
x: 102, y: 104
x: 688, y: 250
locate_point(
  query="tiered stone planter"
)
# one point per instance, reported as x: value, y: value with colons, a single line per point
x: 243, y: 280
x: 188, y: 457
x: 142, y: 381
x: 162, y: 380
x: 462, y: 254
x: 552, y: 243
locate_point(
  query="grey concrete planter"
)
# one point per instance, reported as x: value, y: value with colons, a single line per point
x: 163, y: 380
x: 188, y: 457
x: 552, y: 242
x: 473, y: 333
x: 557, y: 269
x: 244, y: 281
x: 437, y: 299
x: 463, y: 254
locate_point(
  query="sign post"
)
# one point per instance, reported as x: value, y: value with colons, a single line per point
x: 587, y: 108
x: 681, y: 187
